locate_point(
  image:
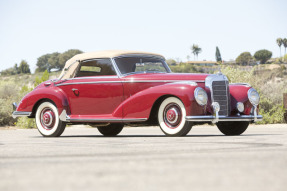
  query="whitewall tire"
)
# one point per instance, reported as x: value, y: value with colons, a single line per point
x: 47, y: 120
x: 171, y: 117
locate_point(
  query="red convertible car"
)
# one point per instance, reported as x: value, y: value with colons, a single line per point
x: 109, y: 89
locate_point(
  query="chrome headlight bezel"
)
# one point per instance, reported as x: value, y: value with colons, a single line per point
x: 253, y: 96
x: 200, y: 96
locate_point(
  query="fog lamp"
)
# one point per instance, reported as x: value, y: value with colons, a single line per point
x: 240, y: 107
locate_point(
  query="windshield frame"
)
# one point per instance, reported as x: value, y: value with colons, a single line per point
x: 161, y: 59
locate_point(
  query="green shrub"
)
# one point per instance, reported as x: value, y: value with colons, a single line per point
x: 25, y: 122
x: 274, y: 115
x: 6, y: 110
x: 270, y: 90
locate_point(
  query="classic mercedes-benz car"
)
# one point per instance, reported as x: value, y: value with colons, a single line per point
x: 109, y: 89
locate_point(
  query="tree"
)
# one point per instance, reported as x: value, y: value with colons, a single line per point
x: 218, y: 55
x: 55, y: 60
x: 42, y: 62
x: 196, y: 50
x: 263, y: 55
x: 24, y: 67
x: 16, y: 69
x: 171, y: 62
x: 279, y: 42
x: 284, y: 41
x: 66, y: 56
x: 244, y: 58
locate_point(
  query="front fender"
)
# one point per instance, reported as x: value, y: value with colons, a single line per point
x: 238, y: 93
x: 52, y: 93
x: 140, y: 104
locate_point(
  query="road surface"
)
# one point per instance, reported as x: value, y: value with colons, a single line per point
x: 143, y: 158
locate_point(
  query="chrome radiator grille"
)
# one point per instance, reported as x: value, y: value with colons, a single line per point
x: 220, y: 94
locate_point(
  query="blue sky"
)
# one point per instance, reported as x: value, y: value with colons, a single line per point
x: 31, y: 28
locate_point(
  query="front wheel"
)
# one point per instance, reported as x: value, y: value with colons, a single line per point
x: 233, y: 127
x: 171, y: 118
x: 48, y: 121
x: 111, y: 130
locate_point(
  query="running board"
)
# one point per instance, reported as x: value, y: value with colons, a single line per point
x: 120, y: 120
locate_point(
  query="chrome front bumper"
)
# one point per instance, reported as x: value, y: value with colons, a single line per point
x: 215, y: 119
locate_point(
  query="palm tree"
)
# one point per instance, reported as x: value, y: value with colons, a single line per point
x: 195, y: 50
x: 279, y: 42
x: 284, y: 41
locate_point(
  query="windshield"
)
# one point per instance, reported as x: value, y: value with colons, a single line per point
x: 129, y: 65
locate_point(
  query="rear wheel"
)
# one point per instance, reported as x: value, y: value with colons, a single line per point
x: 171, y: 118
x: 233, y: 127
x: 48, y: 121
x: 112, y: 129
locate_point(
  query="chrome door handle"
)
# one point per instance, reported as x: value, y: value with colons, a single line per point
x: 76, y: 91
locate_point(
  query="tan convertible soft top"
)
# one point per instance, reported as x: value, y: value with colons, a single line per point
x: 73, y: 63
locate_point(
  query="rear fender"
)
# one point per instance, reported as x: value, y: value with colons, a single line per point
x: 30, y: 102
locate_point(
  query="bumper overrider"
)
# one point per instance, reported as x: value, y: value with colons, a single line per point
x: 217, y: 118
x: 19, y: 113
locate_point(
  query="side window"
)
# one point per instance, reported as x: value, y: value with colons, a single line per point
x: 97, y: 67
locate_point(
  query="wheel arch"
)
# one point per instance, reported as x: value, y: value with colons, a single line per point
x: 38, y: 103
x: 154, y: 110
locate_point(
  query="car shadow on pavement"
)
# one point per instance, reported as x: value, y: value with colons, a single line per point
x: 135, y: 136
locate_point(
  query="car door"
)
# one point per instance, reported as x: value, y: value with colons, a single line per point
x: 97, y: 89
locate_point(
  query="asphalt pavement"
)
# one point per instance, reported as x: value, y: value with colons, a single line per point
x: 142, y: 158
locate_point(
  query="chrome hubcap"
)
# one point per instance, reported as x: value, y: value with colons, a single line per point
x: 172, y: 115
x: 47, y: 118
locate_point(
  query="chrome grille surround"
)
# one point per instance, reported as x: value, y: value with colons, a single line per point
x: 218, y: 86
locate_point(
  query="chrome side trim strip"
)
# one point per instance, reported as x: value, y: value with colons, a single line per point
x: 243, y: 84
x: 68, y: 119
x: 131, y: 81
x: 210, y: 118
x: 101, y: 82
x: 21, y: 114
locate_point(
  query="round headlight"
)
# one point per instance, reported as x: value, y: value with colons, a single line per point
x: 253, y: 96
x: 240, y: 107
x: 200, y: 96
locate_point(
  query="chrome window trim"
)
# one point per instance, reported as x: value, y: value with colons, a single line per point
x: 141, y: 55
x: 116, y: 68
x: 92, y: 59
